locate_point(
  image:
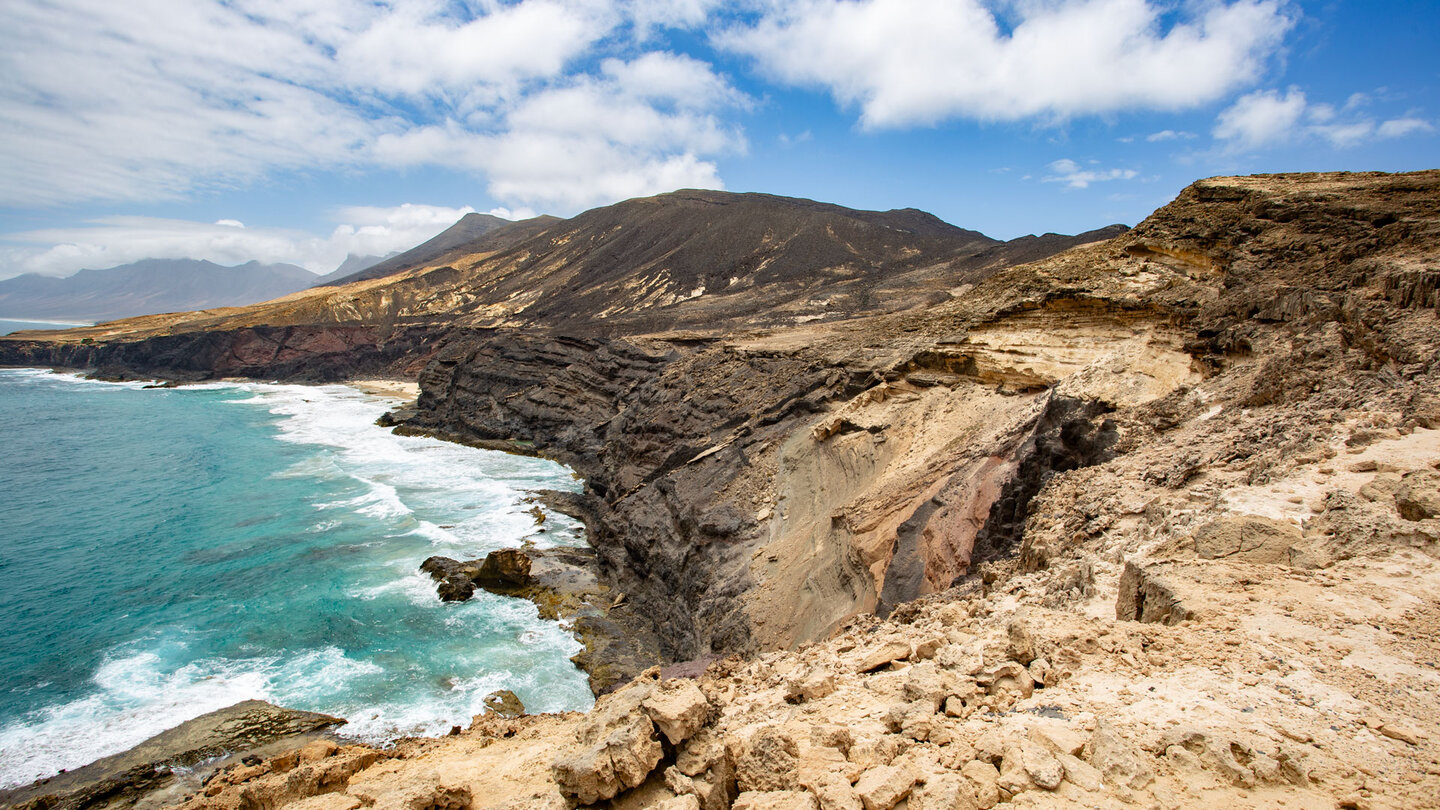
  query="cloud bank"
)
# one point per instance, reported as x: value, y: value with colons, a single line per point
x: 111, y: 241
x: 156, y: 99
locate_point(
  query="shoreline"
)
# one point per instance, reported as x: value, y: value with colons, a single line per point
x: 556, y: 601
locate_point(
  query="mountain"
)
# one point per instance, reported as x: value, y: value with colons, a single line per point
x: 146, y: 287
x: 352, y: 265
x: 695, y: 260
x: 468, y: 233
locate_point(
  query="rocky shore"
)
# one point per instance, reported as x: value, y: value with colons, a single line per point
x: 1155, y: 520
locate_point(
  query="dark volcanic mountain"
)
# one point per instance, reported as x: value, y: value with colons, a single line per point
x: 471, y: 234
x: 147, y: 287
x: 708, y: 261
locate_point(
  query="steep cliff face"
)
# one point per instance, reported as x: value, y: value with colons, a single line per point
x: 295, y: 353
x: 758, y: 489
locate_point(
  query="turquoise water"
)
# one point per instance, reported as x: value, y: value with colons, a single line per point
x: 6, y: 327
x: 168, y: 552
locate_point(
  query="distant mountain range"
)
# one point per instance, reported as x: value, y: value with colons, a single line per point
x: 464, y: 237
x: 146, y: 287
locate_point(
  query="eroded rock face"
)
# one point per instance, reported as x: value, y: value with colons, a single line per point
x: 618, y: 747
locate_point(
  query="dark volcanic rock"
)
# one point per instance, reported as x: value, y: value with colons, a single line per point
x: 506, y: 568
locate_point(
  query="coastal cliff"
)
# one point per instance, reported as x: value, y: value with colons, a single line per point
x: 1153, y: 519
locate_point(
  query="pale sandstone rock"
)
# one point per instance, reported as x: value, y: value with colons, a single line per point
x: 776, y: 800
x: 1059, y: 737
x: 871, y: 752
x: 686, y: 802
x: 1248, y: 537
x: 1022, y: 640
x: 1079, y: 772
x: 768, y: 761
x: 883, y: 787
x: 817, y: 686
x: 1146, y: 594
x: 1117, y: 760
x: 1009, y: 677
x: 1014, y: 778
x: 965, y: 659
x: 423, y: 791
x: 327, y: 801
x: 926, y: 648
x: 678, y: 708
x: 834, y: 792
x: 1042, y: 766
x: 879, y: 655
x: 986, y: 780
x: 946, y: 791
x: 318, y: 750
x: 618, y: 747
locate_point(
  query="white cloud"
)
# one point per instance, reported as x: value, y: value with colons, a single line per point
x: 1261, y: 117
x: 1074, y: 176
x: 1266, y: 118
x: 155, y: 99
x: 1169, y: 135
x: 906, y: 62
x: 636, y: 129
x: 1400, y: 127
x: 111, y: 241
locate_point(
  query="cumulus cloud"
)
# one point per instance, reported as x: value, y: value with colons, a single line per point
x: 637, y: 127
x: 111, y: 241
x: 154, y: 99
x: 907, y: 62
x: 1267, y: 118
x: 1073, y: 175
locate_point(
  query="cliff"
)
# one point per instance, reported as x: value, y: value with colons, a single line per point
x: 1153, y: 519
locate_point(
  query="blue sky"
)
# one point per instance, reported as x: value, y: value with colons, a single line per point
x: 304, y: 130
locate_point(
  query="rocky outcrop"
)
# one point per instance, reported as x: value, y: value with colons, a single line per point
x: 163, y: 767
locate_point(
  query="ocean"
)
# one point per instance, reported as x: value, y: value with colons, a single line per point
x: 6, y: 327
x: 168, y: 552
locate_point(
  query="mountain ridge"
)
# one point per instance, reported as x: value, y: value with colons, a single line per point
x: 148, y: 286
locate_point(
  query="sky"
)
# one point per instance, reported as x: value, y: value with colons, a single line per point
x: 303, y: 131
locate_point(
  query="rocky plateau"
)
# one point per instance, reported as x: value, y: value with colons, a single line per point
x: 920, y: 519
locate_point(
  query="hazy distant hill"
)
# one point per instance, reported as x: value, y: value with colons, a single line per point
x: 470, y: 233
x: 147, y: 287
x: 352, y: 265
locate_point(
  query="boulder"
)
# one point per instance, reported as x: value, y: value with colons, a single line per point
x: 986, y: 780
x: 1418, y: 497
x: 1247, y: 537
x: 768, y: 761
x: 678, y: 708
x: 948, y: 791
x: 879, y: 655
x: 616, y: 747
x: 882, y: 788
x: 834, y: 792
x: 504, y: 703
x: 506, y: 568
